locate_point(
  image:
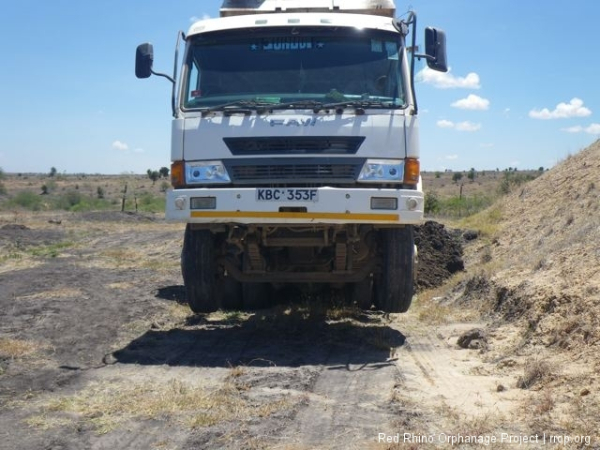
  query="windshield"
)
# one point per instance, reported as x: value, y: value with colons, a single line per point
x: 314, y: 66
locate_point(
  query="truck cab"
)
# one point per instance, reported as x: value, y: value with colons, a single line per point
x: 295, y: 151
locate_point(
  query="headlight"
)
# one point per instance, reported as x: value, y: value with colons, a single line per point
x: 382, y: 171
x: 206, y: 172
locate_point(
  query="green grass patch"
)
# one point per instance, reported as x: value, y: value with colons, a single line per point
x: 151, y: 203
x: 50, y: 251
x: 26, y: 200
x: 456, y: 207
x: 73, y: 201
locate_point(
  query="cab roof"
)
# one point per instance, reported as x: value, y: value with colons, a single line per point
x: 370, y: 7
x: 313, y: 19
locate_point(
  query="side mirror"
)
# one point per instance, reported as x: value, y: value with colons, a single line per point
x: 144, y: 58
x: 435, y: 49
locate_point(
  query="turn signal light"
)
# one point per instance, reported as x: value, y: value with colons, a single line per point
x: 178, y: 174
x: 412, y: 171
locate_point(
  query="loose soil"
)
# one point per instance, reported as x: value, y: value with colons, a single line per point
x: 97, y: 351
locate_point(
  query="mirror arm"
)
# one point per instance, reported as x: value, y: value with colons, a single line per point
x: 426, y: 57
x: 163, y: 75
x: 412, y: 20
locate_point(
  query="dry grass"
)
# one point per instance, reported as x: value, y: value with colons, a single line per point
x: 109, y: 405
x: 15, y: 348
x: 486, y: 221
x: 54, y: 293
x: 434, y: 306
x: 534, y: 372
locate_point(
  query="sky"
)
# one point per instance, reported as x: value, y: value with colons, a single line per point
x: 522, y: 89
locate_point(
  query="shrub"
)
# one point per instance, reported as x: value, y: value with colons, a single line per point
x: 27, y: 200
x: 432, y: 203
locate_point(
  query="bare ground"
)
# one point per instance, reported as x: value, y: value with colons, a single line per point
x: 97, y: 352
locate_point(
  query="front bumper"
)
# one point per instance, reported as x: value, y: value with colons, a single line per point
x: 333, y: 206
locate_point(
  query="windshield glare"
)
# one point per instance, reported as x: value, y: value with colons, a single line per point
x: 292, y: 67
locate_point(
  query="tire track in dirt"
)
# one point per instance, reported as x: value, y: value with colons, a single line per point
x: 349, y: 403
x: 450, y: 382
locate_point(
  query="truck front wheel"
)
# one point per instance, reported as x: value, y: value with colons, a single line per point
x: 199, y: 270
x: 394, y: 285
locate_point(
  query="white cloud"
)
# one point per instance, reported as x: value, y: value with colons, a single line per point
x: 468, y: 126
x: 591, y: 129
x: 575, y: 129
x: 445, y: 124
x: 460, y: 126
x: 121, y: 146
x: 451, y: 157
x: 445, y: 80
x: 138, y: 150
x: 574, y: 108
x: 473, y: 102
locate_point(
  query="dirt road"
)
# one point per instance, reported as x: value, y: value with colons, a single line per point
x: 97, y: 352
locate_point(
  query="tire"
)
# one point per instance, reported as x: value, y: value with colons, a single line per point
x: 361, y: 293
x: 255, y: 296
x: 199, y: 270
x: 394, y: 285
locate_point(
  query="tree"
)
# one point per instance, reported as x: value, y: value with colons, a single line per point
x: 456, y: 177
x: 164, y: 172
x: 2, y: 187
x: 153, y: 175
x: 472, y: 174
x: 53, y: 171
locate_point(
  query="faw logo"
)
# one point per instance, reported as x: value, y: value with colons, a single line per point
x: 293, y: 122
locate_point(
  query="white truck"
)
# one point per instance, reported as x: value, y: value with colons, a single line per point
x: 295, y: 150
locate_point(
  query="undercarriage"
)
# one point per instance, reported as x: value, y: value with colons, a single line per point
x: 233, y: 267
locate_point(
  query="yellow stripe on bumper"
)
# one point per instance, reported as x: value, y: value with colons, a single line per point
x: 293, y: 215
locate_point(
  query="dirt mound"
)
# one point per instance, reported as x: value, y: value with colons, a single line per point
x: 547, y: 254
x: 440, y: 254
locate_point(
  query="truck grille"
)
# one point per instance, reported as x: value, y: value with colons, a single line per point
x: 295, y: 145
x: 295, y: 172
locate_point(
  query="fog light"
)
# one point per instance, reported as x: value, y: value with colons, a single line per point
x: 384, y: 203
x: 412, y: 204
x: 203, y: 203
x: 180, y: 203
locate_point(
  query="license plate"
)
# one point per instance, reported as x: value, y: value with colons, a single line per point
x: 287, y: 195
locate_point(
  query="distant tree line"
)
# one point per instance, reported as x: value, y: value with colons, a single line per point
x: 155, y: 175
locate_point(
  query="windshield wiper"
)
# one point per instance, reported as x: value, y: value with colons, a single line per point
x: 358, y: 104
x: 307, y: 104
x: 237, y: 106
x: 247, y: 106
x: 319, y: 106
